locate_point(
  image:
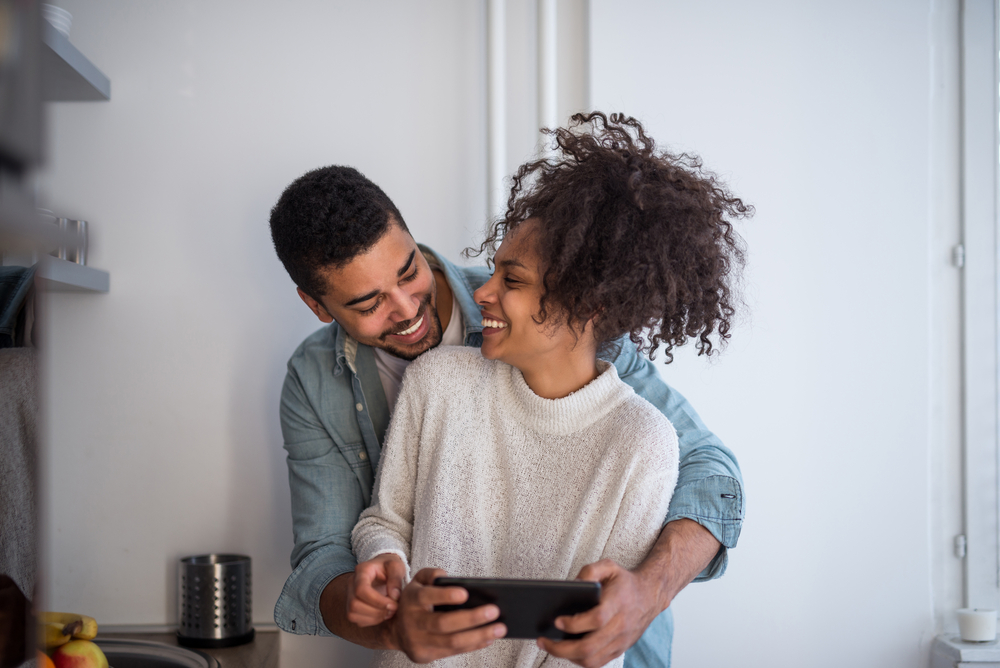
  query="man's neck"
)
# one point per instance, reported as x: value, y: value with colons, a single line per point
x: 444, y: 298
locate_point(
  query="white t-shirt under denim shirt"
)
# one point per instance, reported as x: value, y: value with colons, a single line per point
x: 392, y: 368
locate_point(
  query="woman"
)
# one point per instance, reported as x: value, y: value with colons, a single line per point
x: 543, y: 460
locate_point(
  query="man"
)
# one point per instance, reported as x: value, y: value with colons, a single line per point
x: 387, y: 300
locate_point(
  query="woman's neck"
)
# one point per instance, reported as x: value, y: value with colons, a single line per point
x: 556, y: 376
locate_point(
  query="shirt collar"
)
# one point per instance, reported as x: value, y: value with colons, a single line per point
x: 461, y: 288
x: 345, y: 350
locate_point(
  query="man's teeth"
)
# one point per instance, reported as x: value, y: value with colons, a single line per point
x: 497, y: 324
x: 412, y: 329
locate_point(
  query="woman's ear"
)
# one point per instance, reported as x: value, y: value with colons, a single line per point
x: 591, y: 323
x: 584, y: 330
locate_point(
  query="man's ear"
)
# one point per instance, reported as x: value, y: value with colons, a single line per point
x: 317, y: 308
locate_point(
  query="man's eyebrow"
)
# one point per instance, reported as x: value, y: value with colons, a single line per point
x: 406, y: 266
x: 362, y: 298
x: 374, y: 293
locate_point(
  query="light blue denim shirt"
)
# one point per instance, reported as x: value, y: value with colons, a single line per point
x: 334, y: 415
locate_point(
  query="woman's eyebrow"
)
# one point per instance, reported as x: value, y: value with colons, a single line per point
x: 511, y: 263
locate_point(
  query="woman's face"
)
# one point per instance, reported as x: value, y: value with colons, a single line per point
x: 510, y: 299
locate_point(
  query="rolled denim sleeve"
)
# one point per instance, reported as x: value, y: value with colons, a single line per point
x: 709, y: 486
x: 326, y: 501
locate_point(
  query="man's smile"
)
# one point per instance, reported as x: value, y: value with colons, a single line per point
x: 416, y: 331
x: 412, y: 329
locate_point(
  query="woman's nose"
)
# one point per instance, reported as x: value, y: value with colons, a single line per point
x: 487, y: 292
x: 484, y: 295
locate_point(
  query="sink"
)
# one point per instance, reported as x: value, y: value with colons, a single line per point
x: 146, y: 654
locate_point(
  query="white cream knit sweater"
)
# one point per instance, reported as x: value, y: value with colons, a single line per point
x: 483, y: 478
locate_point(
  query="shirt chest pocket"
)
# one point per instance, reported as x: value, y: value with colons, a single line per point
x: 360, y: 462
x: 357, y: 457
x: 331, y: 469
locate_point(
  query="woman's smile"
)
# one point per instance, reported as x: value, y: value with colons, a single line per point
x: 510, y: 300
x: 546, y: 352
x: 492, y: 324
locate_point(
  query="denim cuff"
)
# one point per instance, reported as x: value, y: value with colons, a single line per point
x: 716, y: 503
x: 716, y: 568
x: 297, y: 610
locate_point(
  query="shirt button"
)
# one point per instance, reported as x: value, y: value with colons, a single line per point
x: 359, y: 407
x: 362, y: 455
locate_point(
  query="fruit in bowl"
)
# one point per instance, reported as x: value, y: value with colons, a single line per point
x: 58, y: 628
x: 79, y: 654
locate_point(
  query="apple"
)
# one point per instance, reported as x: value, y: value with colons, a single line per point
x: 79, y: 654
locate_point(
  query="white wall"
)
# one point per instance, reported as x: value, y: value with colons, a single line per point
x: 839, y: 392
x: 163, y: 394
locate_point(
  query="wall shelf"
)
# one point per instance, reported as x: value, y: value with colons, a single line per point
x: 67, y: 75
x: 57, y: 275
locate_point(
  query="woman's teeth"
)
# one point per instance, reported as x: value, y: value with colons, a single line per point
x: 412, y: 329
x: 496, y: 324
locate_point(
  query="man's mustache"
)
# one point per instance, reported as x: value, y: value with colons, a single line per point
x: 409, y: 323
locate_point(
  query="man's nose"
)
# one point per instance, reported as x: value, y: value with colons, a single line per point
x: 406, y: 305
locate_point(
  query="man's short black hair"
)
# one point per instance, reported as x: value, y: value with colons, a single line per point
x: 326, y: 218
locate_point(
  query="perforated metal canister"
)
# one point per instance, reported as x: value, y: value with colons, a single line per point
x: 213, y: 602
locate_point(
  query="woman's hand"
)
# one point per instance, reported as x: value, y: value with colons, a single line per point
x: 425, y: 635
x: 374, y: 592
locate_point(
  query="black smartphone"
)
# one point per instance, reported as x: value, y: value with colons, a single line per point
x: 528, y: 607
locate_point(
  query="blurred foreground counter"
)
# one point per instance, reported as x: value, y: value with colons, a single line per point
x: 950, y: 651
x: 261, y: 652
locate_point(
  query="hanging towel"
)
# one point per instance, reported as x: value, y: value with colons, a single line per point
x: 18, y: 465
x: 15, y: 286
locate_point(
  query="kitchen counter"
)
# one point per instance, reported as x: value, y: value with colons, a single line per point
x: 949, y: 651
x: 262, y: 652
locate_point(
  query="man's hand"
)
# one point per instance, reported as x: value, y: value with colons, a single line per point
x: 630, y: 600
x: 627, y: 607
x: 376, y: 587
x: 425, y: 635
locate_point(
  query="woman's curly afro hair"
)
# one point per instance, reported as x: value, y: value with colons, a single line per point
x: 639, y: 239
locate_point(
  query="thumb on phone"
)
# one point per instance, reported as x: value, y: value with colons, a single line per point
x: 599, y: 571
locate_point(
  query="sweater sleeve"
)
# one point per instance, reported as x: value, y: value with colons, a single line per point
x: 387, y: 526
x: 652, y: 471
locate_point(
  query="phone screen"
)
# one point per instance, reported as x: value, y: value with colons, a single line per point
x: 528, y: 607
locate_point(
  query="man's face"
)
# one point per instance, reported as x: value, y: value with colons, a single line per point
x: 385, y: 298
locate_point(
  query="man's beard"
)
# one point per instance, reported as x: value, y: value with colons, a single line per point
x: 431, y: 339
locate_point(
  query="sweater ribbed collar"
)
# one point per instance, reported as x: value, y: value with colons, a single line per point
x: 570, y: 414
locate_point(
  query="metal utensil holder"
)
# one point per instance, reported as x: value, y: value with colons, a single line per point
x: 213, y: 602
